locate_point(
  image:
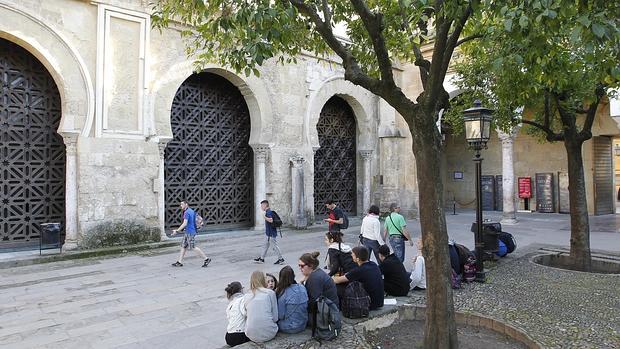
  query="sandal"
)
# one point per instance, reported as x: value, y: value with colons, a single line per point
x: 177, y: 264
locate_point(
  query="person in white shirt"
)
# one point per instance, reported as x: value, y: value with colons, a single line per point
x: 418, y: 274
x: 235, y: 331
x: 370, y: 232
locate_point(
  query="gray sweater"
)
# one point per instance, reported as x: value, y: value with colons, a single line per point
x: 261, y: 309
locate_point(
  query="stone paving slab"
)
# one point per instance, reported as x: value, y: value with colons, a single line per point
x: 138, y: 300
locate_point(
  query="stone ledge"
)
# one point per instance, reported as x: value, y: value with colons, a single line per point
x: 354, y: 330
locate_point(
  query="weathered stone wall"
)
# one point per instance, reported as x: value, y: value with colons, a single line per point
x: 117, y: 83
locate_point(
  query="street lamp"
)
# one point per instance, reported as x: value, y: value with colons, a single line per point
x: 477, y: 132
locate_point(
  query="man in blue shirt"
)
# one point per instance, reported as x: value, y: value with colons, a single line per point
x: 271, y: 235
x: 189, y: 242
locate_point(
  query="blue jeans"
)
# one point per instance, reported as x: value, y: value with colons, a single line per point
x: 398, y: 245
x: 372, y: 245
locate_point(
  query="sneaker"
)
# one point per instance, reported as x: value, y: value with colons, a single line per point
x: 206, y: 263
x: 259, y: 260
x: 279, y: 261
x: 177, y: 264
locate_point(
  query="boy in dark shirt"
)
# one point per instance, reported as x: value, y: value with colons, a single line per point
x: 368, y: 274
x: 335, y: 216
x: 395, y: 277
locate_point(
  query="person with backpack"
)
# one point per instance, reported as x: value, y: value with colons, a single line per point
x: 316, y: 281
x: 418, y: 273
x: 396, y: 231
x: 339, y: 259
x: 335, y: 216
x: 368, y: 274
x: 370, y: 232
x: 189, y: 238
x: 292, y: 303
x: 271, y: 234
x: 261, y: 310
x: 235, y: 331
x: 395, y: 277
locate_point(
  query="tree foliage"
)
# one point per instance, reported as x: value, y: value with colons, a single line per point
x: 552, y: 56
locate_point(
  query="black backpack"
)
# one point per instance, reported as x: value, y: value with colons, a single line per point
x: 508, y: 240
x: 345, y: 221
x: 356, y: 302
x: 326, y: 324
x: 277, y: 221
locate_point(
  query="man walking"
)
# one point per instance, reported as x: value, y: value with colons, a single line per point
x: 396, y: 228
x: 189, y: 242
x: 271, y: 234
x: 335, y: 216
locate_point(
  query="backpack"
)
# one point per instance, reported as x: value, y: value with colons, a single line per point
x: 508, y: 240
x: 277, y: 221
x: 502, y: 251
x: 469, y: 269
x: 327, y: 322
x: 345, y: 221
x: 199, y: 221
x: 356, y: 302
x: 455, y: 280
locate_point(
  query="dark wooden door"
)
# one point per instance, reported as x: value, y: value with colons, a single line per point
x: 334, y: 162
x: 32, y: 153
x: 209, y: 162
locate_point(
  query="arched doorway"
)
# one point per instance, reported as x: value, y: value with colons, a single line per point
x: 334, y: 162
x: 209, y: 162
x: 32, y: 153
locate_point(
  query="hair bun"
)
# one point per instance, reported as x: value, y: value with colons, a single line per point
x: 315, y: 254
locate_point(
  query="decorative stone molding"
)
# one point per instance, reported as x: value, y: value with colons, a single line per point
x: 261, y: 152
x: 366, y: 154
x: 297, y: 161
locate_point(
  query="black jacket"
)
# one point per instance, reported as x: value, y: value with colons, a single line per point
x: 339, y: 259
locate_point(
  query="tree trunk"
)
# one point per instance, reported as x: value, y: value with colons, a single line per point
x: 440, y: 327
x: 579, y: 221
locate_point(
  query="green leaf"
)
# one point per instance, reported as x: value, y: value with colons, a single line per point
x: 598, y: 30
x: 584, y: 20
x: 523, y: 21
x: 508, y: 25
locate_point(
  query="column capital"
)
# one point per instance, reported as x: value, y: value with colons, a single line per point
x: 70, y: 139
x: 260, y: 151
x: 365, y: 154
x: 162, y: 149
x: 508, y: 136
x: 297, y: 161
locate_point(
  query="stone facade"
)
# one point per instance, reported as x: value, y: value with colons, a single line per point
x: 117, y: 79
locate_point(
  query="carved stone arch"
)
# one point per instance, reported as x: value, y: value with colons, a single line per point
x: 63, y: 62
x: 361, y: 101
x: 252, y: 88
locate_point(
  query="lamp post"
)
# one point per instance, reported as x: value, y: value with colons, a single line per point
x: 477, y: 131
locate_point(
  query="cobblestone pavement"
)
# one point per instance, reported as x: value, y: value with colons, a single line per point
x: 140, y: 301
x: 557, y: 308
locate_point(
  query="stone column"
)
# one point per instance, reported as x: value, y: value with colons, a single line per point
x: 260, y: 183
x: 366, y: 157
x: 161, y: 195
x: 71, y: 191
x: 509, y: 216
x: 298, y: 211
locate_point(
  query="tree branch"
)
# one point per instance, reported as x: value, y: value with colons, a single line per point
x: 327, y: 13
x: 373, y: 22
x: 586, y: 131
x: 456, y: 33
x: 551, y: 136
x: 420, y: 61
x: 469, y: 38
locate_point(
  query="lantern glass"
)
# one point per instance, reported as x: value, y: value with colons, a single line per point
x: 477, y: 125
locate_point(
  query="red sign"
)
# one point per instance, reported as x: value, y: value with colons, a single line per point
x: 525, y: 187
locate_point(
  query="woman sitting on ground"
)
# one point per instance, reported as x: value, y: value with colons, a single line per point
x: 261, y: 309
x: 272, y: 282
x: 292, y: 303
x: 317, y: 282
x: 418, y: 274
x: 236, y: 319
x: 339, y: 260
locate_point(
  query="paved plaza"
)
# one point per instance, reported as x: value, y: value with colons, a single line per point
x: 140, y: 301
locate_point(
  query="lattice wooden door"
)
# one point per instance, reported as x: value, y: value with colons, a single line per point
x: 209, y: 162
x: 32, y: 153
x: 334, y: 161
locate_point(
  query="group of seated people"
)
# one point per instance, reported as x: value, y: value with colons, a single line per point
x: 284, y: 305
